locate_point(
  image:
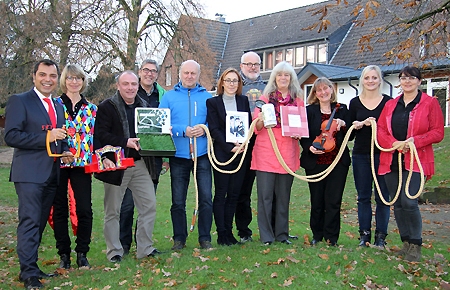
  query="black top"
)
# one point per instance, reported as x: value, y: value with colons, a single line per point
x: 363, y: 136
x: 399, y: 124
x: 151, y: 98
x: 68, y: 103
x: 129, y: 109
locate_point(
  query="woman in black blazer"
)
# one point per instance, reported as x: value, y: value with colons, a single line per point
x: 326, y: 195
x: 227, y: 186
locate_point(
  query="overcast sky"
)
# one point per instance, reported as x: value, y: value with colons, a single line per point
x: 235, y: 10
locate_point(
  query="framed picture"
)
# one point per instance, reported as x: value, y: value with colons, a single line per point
x: 237, y: 126
x: 294, y: 122
x: 152, y: 121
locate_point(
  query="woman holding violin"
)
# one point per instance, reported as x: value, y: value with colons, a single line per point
x: 327, y: 121
x: 411, y: 117
x: 282, y: 89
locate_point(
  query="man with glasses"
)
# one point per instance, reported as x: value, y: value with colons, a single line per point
x: 253, y: 88
x: 152, y: 93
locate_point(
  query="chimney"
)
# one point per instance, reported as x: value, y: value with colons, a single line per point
x: 219, y: 17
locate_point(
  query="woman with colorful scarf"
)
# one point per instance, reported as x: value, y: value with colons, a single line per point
x: 80, y: 118
x: 282, y: 89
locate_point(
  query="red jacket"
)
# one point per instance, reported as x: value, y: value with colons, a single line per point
x: 426, y: 125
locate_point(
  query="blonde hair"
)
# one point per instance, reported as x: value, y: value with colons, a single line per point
x: 312, y: 99
x: 365, y: 71
x: 73, y: 70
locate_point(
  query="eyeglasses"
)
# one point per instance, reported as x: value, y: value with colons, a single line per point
x: 250, y: 65
x: 228, y: 81
x: 147, y: 71
x: 74, y: 78
x: 407, y: 78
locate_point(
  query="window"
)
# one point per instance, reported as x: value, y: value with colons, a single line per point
x: 322, y: 53
x: 269, y: 60
x: 299, y: 56
x: 279, y: 57
x: 168, y: 73
x: 311, y: 53
x: 289, y: 55
x: 306, y: 90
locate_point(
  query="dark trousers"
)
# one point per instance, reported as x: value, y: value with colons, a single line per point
x: 81, y: 184
x: 180, y: 174
x: 35, y: 201
x: 364, y: 184
x: 243, y: 216
x: 326, y: 199
x: 227, y: 188
x: 406, y: 210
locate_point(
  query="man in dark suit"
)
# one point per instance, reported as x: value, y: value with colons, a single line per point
x: 29, y: 116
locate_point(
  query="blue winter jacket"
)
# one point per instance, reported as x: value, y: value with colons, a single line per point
x: 187, y: 108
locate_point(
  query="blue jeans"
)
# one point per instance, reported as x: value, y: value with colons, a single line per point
x: 364, y: 184
x: 180, y: 172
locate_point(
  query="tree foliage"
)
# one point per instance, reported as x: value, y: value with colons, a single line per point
x: 408, y: 31
x: 92, y: 33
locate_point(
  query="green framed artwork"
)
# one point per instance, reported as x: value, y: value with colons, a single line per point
x: 153, y: 128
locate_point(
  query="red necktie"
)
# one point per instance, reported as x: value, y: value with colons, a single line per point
x: 51, y: 112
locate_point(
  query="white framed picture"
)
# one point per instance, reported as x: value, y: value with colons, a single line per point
x: 236, y: 124
x: 152, y: 120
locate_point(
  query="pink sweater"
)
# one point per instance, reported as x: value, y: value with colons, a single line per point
x: 263, y: 156
x: 426, y: 125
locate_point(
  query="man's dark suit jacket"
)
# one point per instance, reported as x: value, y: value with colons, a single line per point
x: 26, y: 127
x: 216, y: 124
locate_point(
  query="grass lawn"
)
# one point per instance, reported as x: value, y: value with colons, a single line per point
x: 248, y: 266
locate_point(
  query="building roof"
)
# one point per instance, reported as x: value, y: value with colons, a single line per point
x: 280, y: 29
x: 331, y: 72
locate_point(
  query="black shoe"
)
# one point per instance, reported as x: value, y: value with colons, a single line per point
x: 64, y: 261
x: 82, y: 261
x: 42, y: 275
x: 380, y: 239
x: 314, y: 242
x: 32, y: 283
x: 267, y: 243
x: 154, y: 253
x: 293, y: 237
x: 287, y: 242
x: 177, y: 246
x: 364, y: 238
x: 232, y: 240
x: 334, y: 244
x: 246, y: 239
x: 116, y: 259
x: 126, y: 250
x: 205, y: 245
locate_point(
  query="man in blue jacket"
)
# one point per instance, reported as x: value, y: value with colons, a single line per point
x: 187, y: 104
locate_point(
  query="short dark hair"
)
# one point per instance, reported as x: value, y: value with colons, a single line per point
x: 410, y: 71
x: 47, y: 62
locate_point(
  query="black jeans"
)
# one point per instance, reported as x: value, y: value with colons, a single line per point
x: 82, y: 190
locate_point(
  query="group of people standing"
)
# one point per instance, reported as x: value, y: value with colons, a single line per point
x: 75, y: 127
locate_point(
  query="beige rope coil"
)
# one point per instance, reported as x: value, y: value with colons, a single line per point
x: 319, y: 176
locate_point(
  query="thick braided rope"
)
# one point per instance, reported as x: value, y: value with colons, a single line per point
x: 413, y: 155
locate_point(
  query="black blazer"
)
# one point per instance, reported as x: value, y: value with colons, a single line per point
x: 308, y: 159
x: 26, y: 127
x: 216, y: 124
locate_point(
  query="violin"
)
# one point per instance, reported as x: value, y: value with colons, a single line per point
x: 325, y: 140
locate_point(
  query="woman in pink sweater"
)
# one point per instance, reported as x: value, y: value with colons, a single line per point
x: 282, y: 89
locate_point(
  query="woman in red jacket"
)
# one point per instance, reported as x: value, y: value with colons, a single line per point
x: 411, y: 117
